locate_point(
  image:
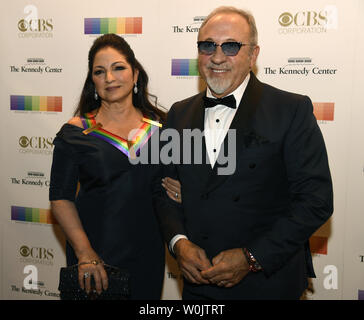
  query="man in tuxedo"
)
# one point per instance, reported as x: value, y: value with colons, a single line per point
x: 246, y: 235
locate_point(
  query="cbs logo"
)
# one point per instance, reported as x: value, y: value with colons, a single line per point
x: 36, y: 252
x: 35, y: 25
x: 303, y: 19
x: 36, y: 142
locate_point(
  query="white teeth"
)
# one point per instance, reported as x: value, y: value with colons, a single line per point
x: 218, y: 71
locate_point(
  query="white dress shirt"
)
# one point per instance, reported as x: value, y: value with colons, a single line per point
x: 217, y: 123
x: 218, y: 120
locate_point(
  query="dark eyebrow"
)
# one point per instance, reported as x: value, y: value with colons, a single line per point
x: 122, y: 62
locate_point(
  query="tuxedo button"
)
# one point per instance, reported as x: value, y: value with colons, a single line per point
x: 252, y: 165
x: 236, y: 198
x: 204, y: 196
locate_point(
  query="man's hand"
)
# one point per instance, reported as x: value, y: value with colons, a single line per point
x: 229, y: 268
x: 191, y: 260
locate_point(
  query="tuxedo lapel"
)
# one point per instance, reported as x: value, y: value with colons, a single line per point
x: 242, y: 126
x: 242, y: 122
x: 198, y: 113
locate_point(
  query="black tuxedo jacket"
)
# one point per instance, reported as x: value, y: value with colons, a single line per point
x: 279, y: 194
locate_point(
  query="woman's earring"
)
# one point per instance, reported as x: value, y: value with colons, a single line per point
x: 95, y: 95
x: 135, y: 88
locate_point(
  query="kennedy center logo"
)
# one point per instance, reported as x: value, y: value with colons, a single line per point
x: 192, y: 27
x: 37, y: 66
x: 301, y: 67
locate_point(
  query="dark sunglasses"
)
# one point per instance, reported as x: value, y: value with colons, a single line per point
x: 228, y: 48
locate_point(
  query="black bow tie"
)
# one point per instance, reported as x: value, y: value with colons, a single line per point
x: 228, y: 101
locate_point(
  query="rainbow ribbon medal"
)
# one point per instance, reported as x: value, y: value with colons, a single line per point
x: 131, y: 148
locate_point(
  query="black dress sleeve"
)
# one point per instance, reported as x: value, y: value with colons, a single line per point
x: 169, y: 212
x: 64, y: 172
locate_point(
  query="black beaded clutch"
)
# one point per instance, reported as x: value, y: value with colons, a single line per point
x: 118, y: 285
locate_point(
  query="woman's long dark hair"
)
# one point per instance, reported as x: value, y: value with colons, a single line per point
x: 141, y: 101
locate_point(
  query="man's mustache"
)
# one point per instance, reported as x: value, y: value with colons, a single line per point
x: 223, y: 66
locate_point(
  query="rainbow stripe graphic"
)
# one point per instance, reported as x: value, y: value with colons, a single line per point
x: 324, y: 110
x: 130, y: 25
x: 32, y: 215
x: 36, y: 103
x: 360, y: 294
x: 318, y: 245
x: 184, y: 67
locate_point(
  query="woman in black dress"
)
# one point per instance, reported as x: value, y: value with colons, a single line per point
x: 111, y: 218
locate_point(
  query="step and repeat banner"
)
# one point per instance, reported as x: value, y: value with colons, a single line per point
x: 313, y: 48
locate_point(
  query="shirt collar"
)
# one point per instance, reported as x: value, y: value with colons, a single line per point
x: 237, y: 93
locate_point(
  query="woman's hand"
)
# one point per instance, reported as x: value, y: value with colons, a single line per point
x: 173, y: 189
x: 90, y: 265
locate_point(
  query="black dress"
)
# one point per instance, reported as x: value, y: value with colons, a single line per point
x: 115, y: 205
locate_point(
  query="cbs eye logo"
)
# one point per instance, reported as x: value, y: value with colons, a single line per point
x: 22, y: 25
x: 24, y: 251
x: 285, y: 19
x: 23, y: 142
